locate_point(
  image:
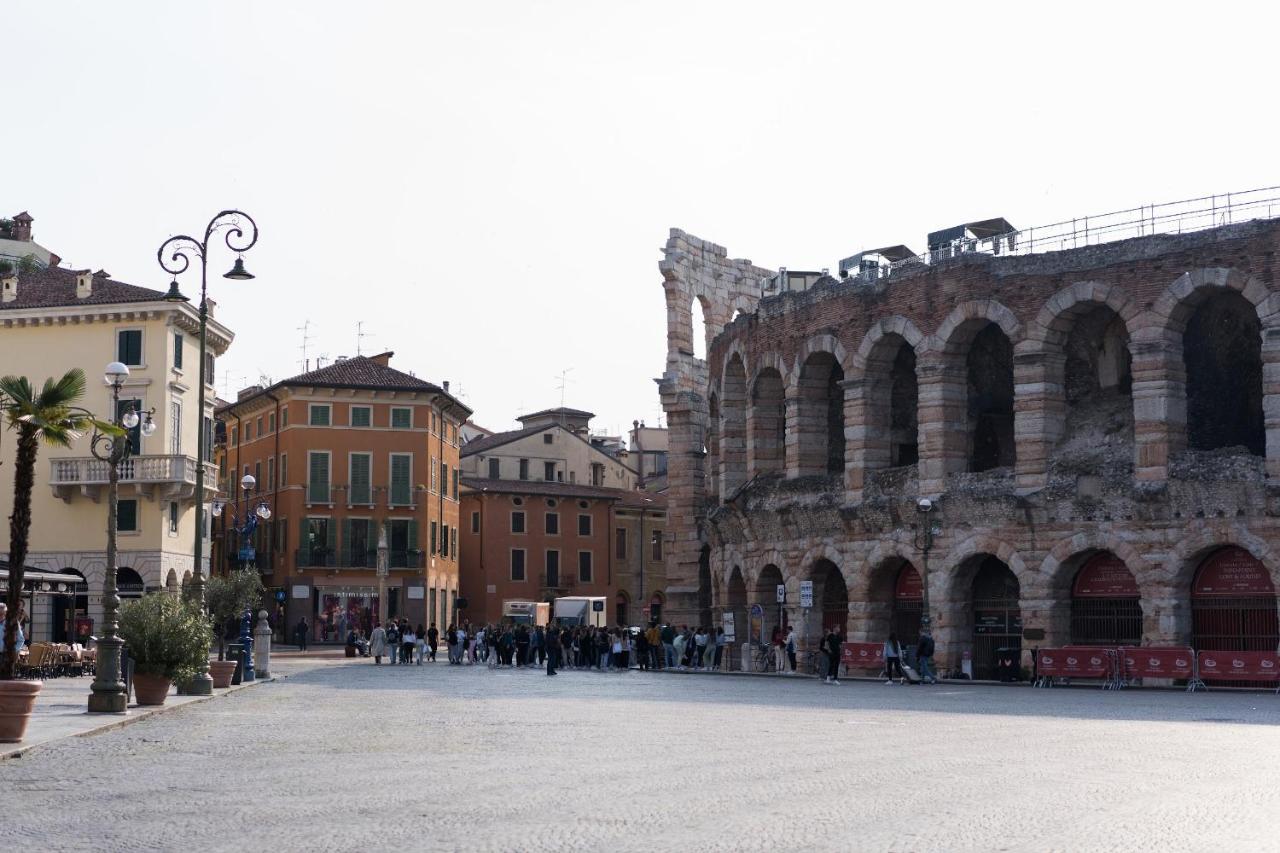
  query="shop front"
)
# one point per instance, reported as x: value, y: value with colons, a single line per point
x: 338, y: 610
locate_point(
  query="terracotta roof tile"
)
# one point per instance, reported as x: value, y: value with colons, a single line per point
x: 56, y: 287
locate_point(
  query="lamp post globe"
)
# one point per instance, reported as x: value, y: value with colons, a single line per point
x: 248, y: 482
x: 115, y: 373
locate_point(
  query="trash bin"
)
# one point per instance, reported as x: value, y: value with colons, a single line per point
x: 1009, y: 663
x: 234, y: 652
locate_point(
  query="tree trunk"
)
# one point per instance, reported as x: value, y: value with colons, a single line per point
x: 19, y: 530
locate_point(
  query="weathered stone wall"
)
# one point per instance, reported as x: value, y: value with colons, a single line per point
x: 1099, y: 464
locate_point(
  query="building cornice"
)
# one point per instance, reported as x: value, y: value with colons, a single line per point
x: 182, y: 316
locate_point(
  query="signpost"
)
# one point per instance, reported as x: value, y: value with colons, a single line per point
x: 806, y: 595
x: 728, y: 622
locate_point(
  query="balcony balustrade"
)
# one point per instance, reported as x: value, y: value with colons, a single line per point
x: 170, y: 477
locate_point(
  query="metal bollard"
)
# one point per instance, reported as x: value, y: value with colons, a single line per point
x: 262, y: 646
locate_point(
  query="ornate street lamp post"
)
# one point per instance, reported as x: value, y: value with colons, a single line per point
x: 175, y: 256
x: 925, y: 531
x: 249, y: 525
x: 108, y: 694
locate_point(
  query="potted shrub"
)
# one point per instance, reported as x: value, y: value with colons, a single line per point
x: 168, y: 640
x: 45, y: 416
x: 227, y: 598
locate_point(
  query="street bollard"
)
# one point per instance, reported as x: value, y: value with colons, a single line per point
x: 246, y: 640
x: 262, y: 646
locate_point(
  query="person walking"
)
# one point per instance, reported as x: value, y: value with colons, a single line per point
x: 721, y: 642
x: 408, y: 642
x: 892, y: 659
x: 924, y: 658
x: 300, y: 634
x: 393, y: 642
x: 553, y: 650
x: 433, y: 641
x: 378, y: 644
x: 791, y: 647
x: 420, y: 643
x: 668, y: 637
x: 833, y: 646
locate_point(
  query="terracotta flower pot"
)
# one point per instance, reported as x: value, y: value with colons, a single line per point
x: 222, y: 671
x: 150, y: 689
x: 17, y: 701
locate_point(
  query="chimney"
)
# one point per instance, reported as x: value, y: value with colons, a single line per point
x: 248, y: 392
x: 446, y: 386
x: 22, y: 227
x: 9, y: 288
x: 382, y: 358
x: 84, y: 284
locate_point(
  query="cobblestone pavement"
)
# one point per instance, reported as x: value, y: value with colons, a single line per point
x: 346, y: 756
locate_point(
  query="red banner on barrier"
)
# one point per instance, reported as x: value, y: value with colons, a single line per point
x: 1078, y: 662
x: 1159, y: 662
x: 1241, y: 666
x: 862, y: 655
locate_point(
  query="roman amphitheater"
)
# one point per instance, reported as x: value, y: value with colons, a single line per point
x: 1096, y: 431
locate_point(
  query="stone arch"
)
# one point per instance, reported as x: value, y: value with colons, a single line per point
x: 822, y: 343
x: 1160, y: 371
x: 1051, y: 589
x: 171, y: 582
x: 700, y: 313
x: 872, y: 595
x: 895, y: 325
x: 885, y: 399
x: 951, y: 565
x: 968, y: 318
x: 1194, y: 545
x: 711, y: 444
x: 818, y: 413
x: 732, y: 429
x: 767, y: 419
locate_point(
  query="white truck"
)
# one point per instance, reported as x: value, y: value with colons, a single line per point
x: 526, y: 612
x: 581, y: 610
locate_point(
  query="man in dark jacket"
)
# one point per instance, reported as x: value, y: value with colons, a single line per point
x: 553, y: 650
x: 924, y: 658
x: 833, y: 647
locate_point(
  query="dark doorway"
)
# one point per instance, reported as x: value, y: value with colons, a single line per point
x: 997, y: 617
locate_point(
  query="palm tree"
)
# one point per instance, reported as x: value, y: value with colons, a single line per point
x: 53, y: 417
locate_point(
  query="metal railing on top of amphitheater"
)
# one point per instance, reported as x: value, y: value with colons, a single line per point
x: 1175, y: 217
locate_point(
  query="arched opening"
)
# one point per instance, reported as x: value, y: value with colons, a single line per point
x: 622, y: 609
x: 908, y: 605
x: 71, y: 610
x: 831, y: 595
x: 891, y: 438
x: 704, y: 585
x: 655, y: 607
x: 767, y: 443
x: 733, y: 427
x: 171, y: 582
x: 129, y: 583
x: 997, y: 616
x: 821, y: 416
x: 1222, y: 352
x: 699, y: 332
x: 772, y: 613
x: 1233, y: 604
x: 1097, y: 386
x: 736, y: 604
x: 989, y: 368
x: 1106, y: 608
x: 712, y: 466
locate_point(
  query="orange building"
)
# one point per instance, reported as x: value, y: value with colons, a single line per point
x: 341, y: 455
x: 537, y: 540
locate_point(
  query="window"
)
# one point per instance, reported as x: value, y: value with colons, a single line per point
x: 444, y: 540
x: 620, y: 543
x: 546, y: 438
x: 281, y: 538
x: 475, y: 522
x: 548, y: 470
x: 135, y: 434
x: 435, y: 483
x: 455, y: 484
x: 358, y: 543
x: 453, y: 541
x: 208, y: 369
x: 284, y: 470
x: 177, y: 352
x: 271, y: 473
x: 656, y: 547
x: 360, y: 468
x: 524, y: 469
x: 401, y: 418
x: 235, y: 436
x: 553, y: 524
x: 361, y: 416
x: 260, y: 432
x: 434, y: 531
x: 127, y: 516
x: 318, y: 476
x: 129, y: 347
x: 175, y: 427
x: 402, y: 479
x: 318, y: 414
x: 597, y: 474
x: 517, y: 564
x: 553, y: 569
x: 248, y: 432
x: 208, y: 439
x: 257, y: 477
x: 584, y: 525
x: 284, y: 417
x: 495, y: 469
x: 584, y: 567
x: 517, y: 521
x: 435, y: 421
x: 173, y: 516
x: 271, y: 422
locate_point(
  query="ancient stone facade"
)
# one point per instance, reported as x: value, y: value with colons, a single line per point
x: 1116, y: 403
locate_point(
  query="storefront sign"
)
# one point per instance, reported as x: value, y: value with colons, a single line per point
x: 1240, y: 666
x: 302, y: 592
x: 417, y: 592
x: 806, y: 594
x: 1232, y: 572
x: 862, y: 656
x: 1105, y: 576
x: 908, y: 587
x: 1159, y: 662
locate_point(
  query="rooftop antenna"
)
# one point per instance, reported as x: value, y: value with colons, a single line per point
x: 361, y: 334
x: 305, y: 328
x: 564, y: 383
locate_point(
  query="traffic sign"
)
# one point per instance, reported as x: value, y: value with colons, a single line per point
x: 782, y: 593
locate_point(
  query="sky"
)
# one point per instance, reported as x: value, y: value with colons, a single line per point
x: 487, y: 186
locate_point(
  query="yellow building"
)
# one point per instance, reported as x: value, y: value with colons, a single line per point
x: 51, y: 320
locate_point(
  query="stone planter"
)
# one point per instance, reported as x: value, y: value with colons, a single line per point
x: 17, y: 701
x: 150, y: 689
x: 221, y: 671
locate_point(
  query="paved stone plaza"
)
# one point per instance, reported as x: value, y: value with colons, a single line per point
x: 340, y: 755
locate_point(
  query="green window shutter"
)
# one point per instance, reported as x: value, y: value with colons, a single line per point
x: 129, y: 347
x: 331, y: 540
x: 360, y: 416
x: 318, y: 479
x: 360, y: 479
x: 413, y: 535
x: 304, y: 542
x: 346, y: 542
x: 401, y: 418
x: 400, y: 487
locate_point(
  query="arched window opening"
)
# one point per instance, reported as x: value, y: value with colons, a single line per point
x: 1097, y: 384
x: 1233, y: 607
x: 990, y: 400
x: 712, y: 463
x: 1222, y: 352
x: 704, y: 585
x: 904, y: 446
x: 768, y: 424
x: 766, y: 596
x: 821, y: 401
x: 832, y: 595
x: 733, y: 428
x: 128, y: 583
x: 908, y: 605
x: 997, y: 618
x: 698, y: 328
x: 1105, y: 605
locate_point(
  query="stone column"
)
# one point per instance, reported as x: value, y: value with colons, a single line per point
x: 1271, y: 395
x: 262, y: 646
x: 1159, y: 403
x: 943, y: 421
x: 1039, y: 414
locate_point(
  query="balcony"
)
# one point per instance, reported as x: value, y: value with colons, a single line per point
x: 325, y: 558
x: 160, y: 478
x: 315, y: 558
x: 556, y: 581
